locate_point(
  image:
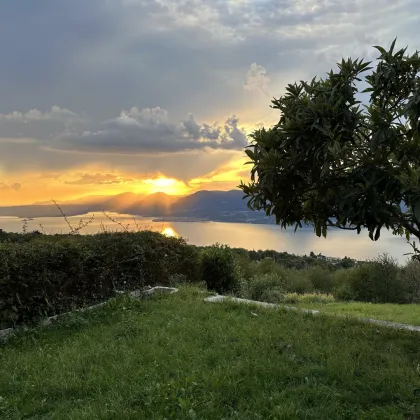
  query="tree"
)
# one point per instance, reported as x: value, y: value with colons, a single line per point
x: 334, y: 160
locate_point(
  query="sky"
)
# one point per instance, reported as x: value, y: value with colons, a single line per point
x: 101, y: 97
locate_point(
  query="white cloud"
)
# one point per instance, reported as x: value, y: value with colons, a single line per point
x: 55, y: 114
x: 256, y: 79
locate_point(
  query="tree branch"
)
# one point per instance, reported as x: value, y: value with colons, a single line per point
x: 331, y: 224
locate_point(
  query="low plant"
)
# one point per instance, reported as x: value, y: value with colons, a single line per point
x: 265, y: 288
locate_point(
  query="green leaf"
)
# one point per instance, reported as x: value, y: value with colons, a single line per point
x: 250, y: 154
x: 392, y: 46
x: 380, y: 49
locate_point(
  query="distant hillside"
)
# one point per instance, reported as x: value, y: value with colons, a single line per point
x: 206, y: 203
x: 120, y: 202
x: 158, y: 204
x: 203, y: 205
x: 218, y: 206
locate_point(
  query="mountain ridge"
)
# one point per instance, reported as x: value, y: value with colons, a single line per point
x: 206, y: 205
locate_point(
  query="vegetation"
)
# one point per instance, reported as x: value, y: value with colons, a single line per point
x: 177, y: 357
x: 47, y: 275
x: 44, y: 275
x: 331, y: 162
x: 380, y: 280
x: 404, y: 314
x: 219, y: 269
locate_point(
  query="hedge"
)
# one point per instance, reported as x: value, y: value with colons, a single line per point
x: 50, y: 274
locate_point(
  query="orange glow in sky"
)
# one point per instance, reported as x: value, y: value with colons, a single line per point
x: 29, y: 188
x: 168, y: 186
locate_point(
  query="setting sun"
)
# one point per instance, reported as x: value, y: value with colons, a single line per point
x: 168, y: 231
x: 169, y: 186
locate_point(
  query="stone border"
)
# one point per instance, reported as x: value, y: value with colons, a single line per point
x: 136, y: 294
x: 389, y: 324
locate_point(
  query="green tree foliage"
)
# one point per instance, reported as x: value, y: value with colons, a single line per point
x: 331, y: 161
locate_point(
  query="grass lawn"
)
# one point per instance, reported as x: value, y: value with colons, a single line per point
x: 177, y: 357
x: 405, y: 314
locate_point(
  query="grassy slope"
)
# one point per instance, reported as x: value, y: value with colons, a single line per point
x: 405, y: 314
x: 177, y: 357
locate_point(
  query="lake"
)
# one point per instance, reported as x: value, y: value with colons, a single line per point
x: 338, y: 243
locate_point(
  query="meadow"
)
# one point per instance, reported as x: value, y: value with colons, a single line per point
x: 177, y: 357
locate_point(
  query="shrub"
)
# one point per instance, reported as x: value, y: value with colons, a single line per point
x: 298, y: 281
x: 177, y: 280
x: 342, y: 289
x: 265, y: 288
x: 268, y: 266
x: 320, y: 279
x: 378, y: 281
x: 410, y: 278
x: 55, y: 274
x: 220, y: 269
x: 343, y: 292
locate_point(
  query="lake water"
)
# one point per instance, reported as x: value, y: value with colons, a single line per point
x: 338, y: 243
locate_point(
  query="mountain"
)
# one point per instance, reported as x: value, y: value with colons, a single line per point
x: 225, y: 206
x: 157, y: 204
x: 119, y: 203
x: 90, y: 200
x: 45, y: 210
x: 206, y: 203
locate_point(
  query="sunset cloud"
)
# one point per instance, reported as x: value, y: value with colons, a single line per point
x: 16, y: 186
x: 150, y: 131
x: 100, y: 179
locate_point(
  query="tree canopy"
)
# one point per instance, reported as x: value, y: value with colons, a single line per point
x: 346, y: 150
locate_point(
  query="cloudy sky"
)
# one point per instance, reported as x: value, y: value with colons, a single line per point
x: 106, y: 96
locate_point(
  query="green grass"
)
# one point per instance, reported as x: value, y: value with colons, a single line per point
x: 405, y: 314
x: 177, y: 357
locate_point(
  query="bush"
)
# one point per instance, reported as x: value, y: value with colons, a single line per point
x: 343, y: 292
x: 297, y: 281
x: 54, y: 274
x: 410, y: 278
x: 220, y: 269
x: 342, y: 289
x: 378, y: 281
x: 321, y: 279
x: 265, y: 288
x: 268, y: 266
